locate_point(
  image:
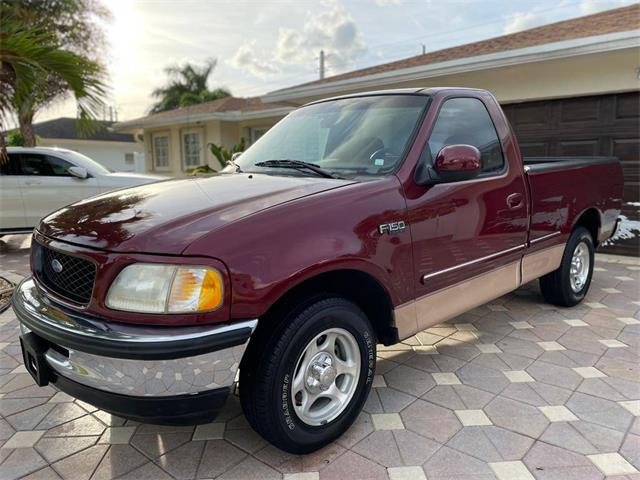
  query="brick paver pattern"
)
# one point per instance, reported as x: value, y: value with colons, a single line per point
x: 514, y: 389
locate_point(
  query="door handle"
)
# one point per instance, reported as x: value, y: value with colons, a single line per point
x: 515, y: 201
x: 33, y: 183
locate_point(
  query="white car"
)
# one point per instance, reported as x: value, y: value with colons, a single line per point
x: 36, y: 181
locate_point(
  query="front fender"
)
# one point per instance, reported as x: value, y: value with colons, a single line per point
x: 274, y: 250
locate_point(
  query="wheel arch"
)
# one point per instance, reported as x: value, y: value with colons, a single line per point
x: 591, y: 219
x: 358, y: 286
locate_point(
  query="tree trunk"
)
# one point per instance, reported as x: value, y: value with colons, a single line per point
x: 26, y: 129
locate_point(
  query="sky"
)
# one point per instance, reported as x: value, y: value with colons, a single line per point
x: 262, y: 46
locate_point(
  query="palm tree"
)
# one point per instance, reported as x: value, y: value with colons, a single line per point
x: 187, y: 86
x: 30, y: 60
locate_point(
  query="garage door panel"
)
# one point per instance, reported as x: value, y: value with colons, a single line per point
x: 531, y: 115
x: 579, y: 148
x: 596, y: 125
x: 627, y: 106
x: 628, y: 151
x: 535, y: 149
x: 580, y: 110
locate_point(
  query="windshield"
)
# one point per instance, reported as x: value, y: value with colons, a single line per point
x: 95, y: 166
x: 352, y: 136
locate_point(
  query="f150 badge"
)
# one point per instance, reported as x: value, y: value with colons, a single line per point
x: 392, y: 227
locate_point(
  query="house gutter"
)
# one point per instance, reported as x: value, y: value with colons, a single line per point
x: 537, y: 53
x: 230, y: 116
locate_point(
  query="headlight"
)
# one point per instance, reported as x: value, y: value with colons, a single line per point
x: 158, y: 288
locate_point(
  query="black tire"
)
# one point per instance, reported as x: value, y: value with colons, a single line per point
x: 270, y: 362
x: 556, y: 286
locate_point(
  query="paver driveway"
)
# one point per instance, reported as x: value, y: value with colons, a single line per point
x: 515, y: 389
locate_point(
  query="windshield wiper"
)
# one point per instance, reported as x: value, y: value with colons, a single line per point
x: 298, y: 165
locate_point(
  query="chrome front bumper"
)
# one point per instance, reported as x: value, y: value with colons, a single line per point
x: 132, y: 360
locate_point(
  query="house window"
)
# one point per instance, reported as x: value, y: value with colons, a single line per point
x: 257, y: 132
x: 192, y: 149
x: 161, y: 152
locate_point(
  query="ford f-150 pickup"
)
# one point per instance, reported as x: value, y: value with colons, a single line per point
x: 355, y: 221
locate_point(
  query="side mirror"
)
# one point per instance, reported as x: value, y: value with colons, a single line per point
x: 78, y: 172
x: 454, y: 163
x: 235, y: 156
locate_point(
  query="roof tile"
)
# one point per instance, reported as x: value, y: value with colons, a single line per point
x: 227, y: 104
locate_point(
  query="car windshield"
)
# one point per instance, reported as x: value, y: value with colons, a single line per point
x: 351, y: 136
x: 95, y: 166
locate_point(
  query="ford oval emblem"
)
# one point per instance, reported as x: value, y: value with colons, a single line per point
x: 56, y: 265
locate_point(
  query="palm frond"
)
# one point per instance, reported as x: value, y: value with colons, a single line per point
x: 29, y: 58
x: 186, y: 86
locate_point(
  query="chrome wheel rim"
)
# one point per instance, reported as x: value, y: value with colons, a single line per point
x: 326, y: 376
x: 580, y: 263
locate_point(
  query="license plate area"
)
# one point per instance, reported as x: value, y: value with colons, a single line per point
x: 33, y: 349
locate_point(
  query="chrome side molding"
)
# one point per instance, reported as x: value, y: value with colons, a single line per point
x: 473, y: 262
x: 545, y: 237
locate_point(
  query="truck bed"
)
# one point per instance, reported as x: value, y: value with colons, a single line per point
x: 563, y: 188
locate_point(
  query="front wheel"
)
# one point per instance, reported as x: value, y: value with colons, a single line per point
x: 306, y: 382
x: 568, y: 285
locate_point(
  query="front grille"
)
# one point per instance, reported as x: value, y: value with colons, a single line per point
x: 74, y: 281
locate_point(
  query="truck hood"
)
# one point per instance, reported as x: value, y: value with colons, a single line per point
x: 165, y: 217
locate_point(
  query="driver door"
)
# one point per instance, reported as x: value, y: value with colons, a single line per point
x: 468, y: 236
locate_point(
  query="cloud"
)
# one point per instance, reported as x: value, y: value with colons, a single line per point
x: 386, y: 3
x: 587, y: 7
x: 522, y: 21
x: 246, y: 59
x: 332, y: 30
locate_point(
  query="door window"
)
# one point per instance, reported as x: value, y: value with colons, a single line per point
x: 44, y: 165
x: 466, y: 121
x: 12, y: 166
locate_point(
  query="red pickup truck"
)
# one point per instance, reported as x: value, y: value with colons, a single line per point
x: 354, y: 221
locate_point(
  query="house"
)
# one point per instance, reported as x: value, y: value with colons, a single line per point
x: 569, y: 88
x: 177, y: 140
x: 115, y: 150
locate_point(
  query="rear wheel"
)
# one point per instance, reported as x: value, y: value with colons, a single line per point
x: 305, y: 382
x: 568, y: 285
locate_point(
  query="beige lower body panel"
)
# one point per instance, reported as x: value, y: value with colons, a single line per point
x: 445, y: 304
x: 542, y: 262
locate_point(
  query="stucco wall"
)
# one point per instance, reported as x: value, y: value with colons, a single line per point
x: 585, y: 75
x: 230, y: 133
x: 592, y: 74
